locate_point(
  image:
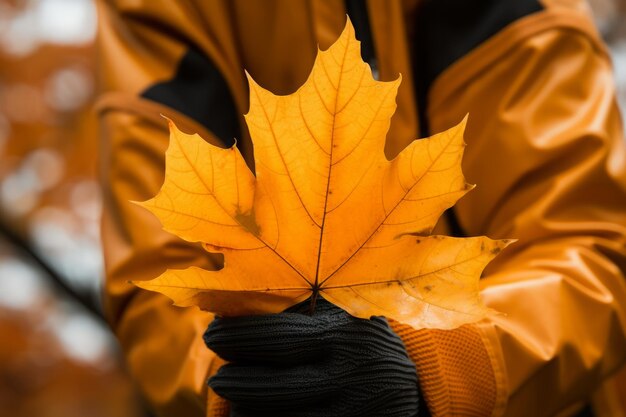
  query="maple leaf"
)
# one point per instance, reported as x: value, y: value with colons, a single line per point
x: 327, y: 214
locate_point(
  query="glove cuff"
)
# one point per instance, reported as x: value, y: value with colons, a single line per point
x: 455, y: 370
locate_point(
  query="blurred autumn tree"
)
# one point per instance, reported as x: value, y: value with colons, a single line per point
x: 57, y: 357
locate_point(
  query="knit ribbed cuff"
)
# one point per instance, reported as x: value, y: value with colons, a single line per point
x: 455, y: 370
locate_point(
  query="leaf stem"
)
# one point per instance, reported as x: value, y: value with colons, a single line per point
x: 315, y: 294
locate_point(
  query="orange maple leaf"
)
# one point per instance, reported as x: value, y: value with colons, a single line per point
x: 327, y: 214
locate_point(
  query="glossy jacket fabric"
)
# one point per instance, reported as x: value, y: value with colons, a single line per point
x: 545, y: 146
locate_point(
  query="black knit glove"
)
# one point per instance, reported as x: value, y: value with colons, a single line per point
x: 325, y: 365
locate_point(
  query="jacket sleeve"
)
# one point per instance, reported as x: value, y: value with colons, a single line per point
x: 138, y: 49
x: 545, y: 148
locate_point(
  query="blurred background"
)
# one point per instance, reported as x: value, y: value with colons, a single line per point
x: 57, y: 357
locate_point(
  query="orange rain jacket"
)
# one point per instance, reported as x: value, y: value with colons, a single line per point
x: 545, y: 147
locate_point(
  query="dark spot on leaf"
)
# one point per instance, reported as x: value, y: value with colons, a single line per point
x: 428, y: 288
x: 482, y: 246
x: 496, y: 250
x: 248, y: 221
x: 423, y: 232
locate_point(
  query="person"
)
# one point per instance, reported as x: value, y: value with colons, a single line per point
x: 545, y: 146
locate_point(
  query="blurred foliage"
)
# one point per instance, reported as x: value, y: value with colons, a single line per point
x: 56, y: 359
x: 39, y: 378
